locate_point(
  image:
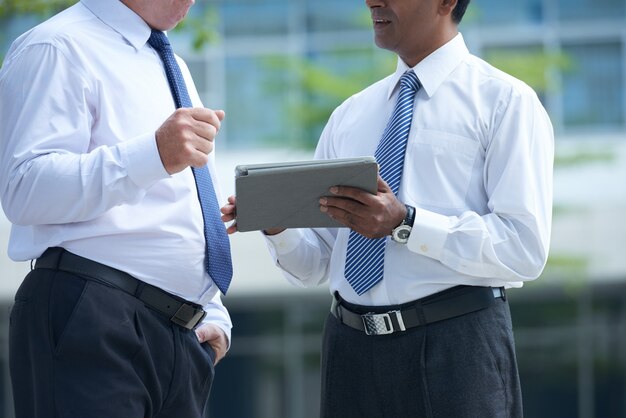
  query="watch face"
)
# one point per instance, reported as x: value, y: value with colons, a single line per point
x: 401, y: 234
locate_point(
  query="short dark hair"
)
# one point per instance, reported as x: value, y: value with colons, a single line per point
x: 459, y: 10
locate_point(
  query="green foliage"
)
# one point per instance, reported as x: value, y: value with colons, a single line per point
x: 584, y: 157
x: 202, y: 28
x: 41, y: 8
x: 575, y: 268
x: 531, y: 66
x: 566, y: 262
x: 322, y: 88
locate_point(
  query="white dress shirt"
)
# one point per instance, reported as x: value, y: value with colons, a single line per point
x: 478, y: 170
x: 81, y: 97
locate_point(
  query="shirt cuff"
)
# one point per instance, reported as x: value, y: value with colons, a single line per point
x: 285, y: 242
x: 429, y: 233
x: 142, y: 160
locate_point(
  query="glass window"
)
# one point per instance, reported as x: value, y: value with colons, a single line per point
x: 12, y: 27
x: 343, y: 15
x: 258, y: 88
x: 593, y: 89
x: 331, y: 76
x: 285, y: 101
x: 504, y: 12
x: 200, y: 77
x: 528, y: 63
x: 254, y: 17
x: 589, y: 9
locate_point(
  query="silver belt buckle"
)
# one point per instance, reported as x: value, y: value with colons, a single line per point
x: 187, y: 316
x: 380, y: 324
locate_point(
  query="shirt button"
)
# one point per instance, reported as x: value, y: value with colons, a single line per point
x: 424, y: 248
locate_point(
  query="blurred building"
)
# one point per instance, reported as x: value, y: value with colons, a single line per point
x: 278, y: 67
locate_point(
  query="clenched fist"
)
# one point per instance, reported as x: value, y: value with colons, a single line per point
x: 186, y: 138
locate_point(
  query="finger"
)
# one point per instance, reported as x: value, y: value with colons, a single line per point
x: 199, y: 153
x: 220, y: 114
x: 353, y: 221
x: 232, y: 228
x: 351, y: 193
x: 206, y: 332
x: 228, y: 209
x: 347, y: 205
x: 345, y: 218
x: 202, y: 114
x: 228, y: 217
x: 199, y: 159
x: 204, y: 131
x: 214, y: 337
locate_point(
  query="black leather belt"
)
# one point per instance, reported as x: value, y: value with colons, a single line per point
x: 450, y: 303
x: 181, y: 312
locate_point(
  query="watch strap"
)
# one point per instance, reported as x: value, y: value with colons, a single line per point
x: 409, y: 219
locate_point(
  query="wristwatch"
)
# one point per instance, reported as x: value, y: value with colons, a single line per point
x: 400, y: 234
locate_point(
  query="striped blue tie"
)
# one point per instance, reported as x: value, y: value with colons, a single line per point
x: 217, y: 249
x: 366, y: 257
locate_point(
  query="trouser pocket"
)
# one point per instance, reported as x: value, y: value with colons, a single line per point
x: 66, y: 294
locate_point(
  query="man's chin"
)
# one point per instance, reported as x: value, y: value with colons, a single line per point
x: 382, y: 43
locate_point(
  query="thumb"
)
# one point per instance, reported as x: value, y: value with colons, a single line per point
x: 205, y: 333
x: 382, y: 185
x: 220, y: 114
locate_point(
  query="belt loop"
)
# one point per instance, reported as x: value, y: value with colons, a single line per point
x: 60, y: 252
x: 421, y: 318
x: 139, y: 289
x: 335, y: 306
x: 55, y: 253
x: 503, y: 291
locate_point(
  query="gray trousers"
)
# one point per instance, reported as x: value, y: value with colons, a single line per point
x: 463, y: 367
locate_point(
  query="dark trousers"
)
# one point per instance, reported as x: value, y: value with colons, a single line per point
x: 82, y: 349
x: 463, y: 367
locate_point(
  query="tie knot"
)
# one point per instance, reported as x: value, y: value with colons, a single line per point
x: 409, y: 80
x: 158, y: 40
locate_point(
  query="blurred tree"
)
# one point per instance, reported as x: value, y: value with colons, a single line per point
x: 320, y: 87
x: 42, y: 8
x: 323, y: 88
x: 200, y: 24
x: 37, y: 8
x: 324, y: 81
x: 533, y: 66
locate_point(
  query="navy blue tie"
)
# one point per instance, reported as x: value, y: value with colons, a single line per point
x: 217, y: 250
x: 365, y: 258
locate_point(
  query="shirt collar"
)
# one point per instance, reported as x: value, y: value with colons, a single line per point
x: 435, y: 68
x: 121, y: 19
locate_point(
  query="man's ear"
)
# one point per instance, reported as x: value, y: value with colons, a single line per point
x: 446, y: 7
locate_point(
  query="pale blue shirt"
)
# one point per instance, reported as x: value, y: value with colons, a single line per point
x: 81, y: 97
x: 478, y: 168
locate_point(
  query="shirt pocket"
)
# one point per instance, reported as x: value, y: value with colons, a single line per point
x: 438, y: 168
